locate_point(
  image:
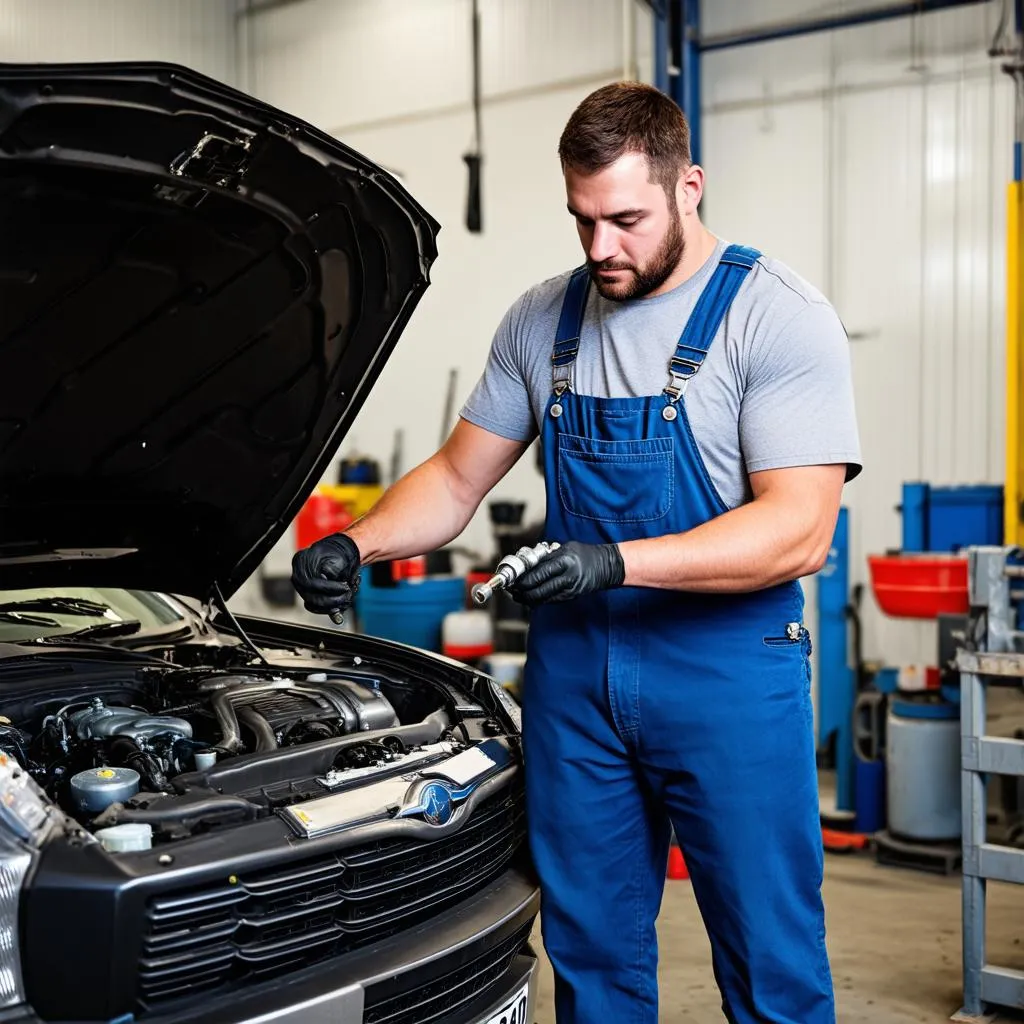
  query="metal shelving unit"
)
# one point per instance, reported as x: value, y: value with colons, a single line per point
x: 985, y: 984
x: 997, y: 662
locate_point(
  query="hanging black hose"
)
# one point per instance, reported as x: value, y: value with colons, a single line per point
x: 474, y: 158
x: 265, y: 738
x: 853, y: 616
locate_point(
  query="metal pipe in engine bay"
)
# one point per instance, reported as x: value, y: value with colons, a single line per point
x: 224, y: 695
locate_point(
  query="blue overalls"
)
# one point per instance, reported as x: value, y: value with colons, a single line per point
x: 647, y: 710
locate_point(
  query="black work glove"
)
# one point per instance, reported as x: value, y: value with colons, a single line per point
x: 326, y: 574
x: 573, y: 570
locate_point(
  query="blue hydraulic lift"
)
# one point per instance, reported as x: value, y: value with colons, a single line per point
x: 678, y: 45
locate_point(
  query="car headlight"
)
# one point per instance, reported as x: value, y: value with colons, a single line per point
x: 512, y: 709
x: 26, y: 817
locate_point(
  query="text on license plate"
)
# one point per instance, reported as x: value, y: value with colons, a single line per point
x: 513, y: 1012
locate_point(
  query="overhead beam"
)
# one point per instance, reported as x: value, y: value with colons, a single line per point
x: 789, y: 29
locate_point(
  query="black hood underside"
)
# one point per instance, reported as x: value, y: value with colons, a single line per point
x: 197, y: 292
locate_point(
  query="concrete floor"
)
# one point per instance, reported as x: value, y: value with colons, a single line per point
x: 893, y: 937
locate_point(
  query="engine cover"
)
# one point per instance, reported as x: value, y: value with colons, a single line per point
x: 297, y: 709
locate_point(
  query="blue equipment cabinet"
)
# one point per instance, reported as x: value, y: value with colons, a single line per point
x: 946, y: 519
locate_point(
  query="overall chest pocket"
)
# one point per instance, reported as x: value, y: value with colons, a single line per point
x: 616, y: 481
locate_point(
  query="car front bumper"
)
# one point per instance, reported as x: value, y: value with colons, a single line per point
x: 447, y: 969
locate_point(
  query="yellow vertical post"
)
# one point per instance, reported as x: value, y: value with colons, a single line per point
x: 1013, y: 527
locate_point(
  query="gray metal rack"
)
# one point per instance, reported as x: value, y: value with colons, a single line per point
x: 994, y: 662
x: 985, y: 984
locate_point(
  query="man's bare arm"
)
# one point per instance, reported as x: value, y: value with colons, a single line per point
x: 783, y: 534
x: 431, y: 505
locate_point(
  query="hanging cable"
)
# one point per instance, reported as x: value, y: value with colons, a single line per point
x: 474, y: 158
x: 1000, y: 47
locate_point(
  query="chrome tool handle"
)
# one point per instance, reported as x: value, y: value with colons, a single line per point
x: 510, y: 568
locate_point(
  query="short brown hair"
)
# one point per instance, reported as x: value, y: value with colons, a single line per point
x: 628, y: 117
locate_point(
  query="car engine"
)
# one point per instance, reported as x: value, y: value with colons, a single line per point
x: 183, y: 751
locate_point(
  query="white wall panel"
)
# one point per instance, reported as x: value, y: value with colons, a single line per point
x: 353, y: 63
x: 910, y: 127
x: 539, y: 42
x: 757, y: 194
x: 357, y: 61
x: 197, y: 33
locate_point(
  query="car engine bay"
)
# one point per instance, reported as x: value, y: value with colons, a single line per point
x: 159, y: 754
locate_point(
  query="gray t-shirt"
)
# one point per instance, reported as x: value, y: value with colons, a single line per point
x: 775, y: 389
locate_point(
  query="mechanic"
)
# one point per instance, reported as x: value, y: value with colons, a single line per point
x: 695, y: 408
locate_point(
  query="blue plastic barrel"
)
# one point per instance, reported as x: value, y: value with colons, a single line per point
x: 410, y: 612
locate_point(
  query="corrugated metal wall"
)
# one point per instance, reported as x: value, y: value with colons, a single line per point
x: 197, y: 33
x: 360, y: 63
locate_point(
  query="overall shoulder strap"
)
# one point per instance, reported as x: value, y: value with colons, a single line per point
x: 570, y: 325
x: 700, y: 330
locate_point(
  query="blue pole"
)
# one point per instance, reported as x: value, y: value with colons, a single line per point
x: 660, y: 47
x: 836, y: 679
x: 689, y: 72
x: 677, y: 60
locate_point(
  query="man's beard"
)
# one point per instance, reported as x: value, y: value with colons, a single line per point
x: 644, y: 279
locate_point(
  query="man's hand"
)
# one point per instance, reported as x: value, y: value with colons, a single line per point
x: 326, y: 574
x: 572, y: 571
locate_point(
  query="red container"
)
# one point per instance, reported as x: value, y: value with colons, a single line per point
x: 919, y: 586
x: 319, y: 517
x: 414, y: 568
x: 469, y: 652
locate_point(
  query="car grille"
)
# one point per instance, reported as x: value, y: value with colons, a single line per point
x: 447, y: 993
x: 273, y: 922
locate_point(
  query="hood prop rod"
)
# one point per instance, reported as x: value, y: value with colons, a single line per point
x: 217, y: 600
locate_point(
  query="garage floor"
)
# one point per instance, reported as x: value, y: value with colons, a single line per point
x: 894, y: 941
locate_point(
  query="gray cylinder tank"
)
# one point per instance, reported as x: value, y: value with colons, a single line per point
x: 96, y: 789
x: 923, y: 770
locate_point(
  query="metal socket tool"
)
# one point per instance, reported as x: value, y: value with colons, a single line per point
x: 337, y: 616
x: 510, y: 568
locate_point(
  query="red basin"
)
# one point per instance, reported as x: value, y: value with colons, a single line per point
x: 919, y: 586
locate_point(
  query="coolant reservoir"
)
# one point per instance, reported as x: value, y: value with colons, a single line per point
x: 95, y: 789
x: 126, y: 838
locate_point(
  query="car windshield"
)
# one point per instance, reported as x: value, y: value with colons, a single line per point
x: 55, y: 612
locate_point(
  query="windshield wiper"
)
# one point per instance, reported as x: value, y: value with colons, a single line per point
x: 26, y: 619
x: 58, y: 605
x: 100, y: 629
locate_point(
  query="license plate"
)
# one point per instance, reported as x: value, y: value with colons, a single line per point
x: 514, y: 1011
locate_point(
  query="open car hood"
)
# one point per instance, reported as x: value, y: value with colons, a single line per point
x: 197, y: 292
